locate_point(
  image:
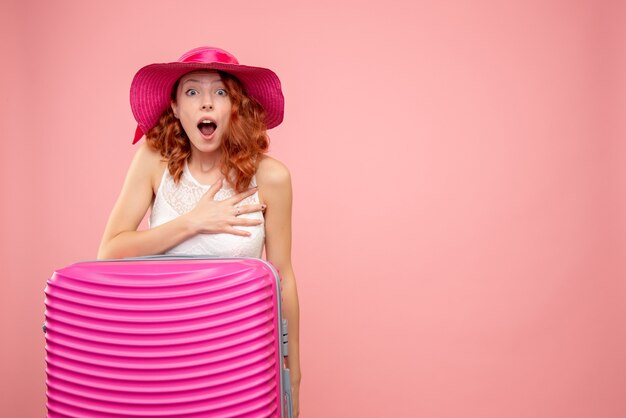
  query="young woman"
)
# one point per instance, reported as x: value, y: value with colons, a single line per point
x: 204, y: 173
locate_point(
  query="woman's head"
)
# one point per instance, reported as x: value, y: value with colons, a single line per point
x: 256, y: 104
x: 212, y: 113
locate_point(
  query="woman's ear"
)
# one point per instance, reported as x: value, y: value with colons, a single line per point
x: 174, y: 108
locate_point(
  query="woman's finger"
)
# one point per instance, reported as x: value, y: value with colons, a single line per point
x: 240, y: 196
x: 235, y: 231
x: 240, y: 210
x: 215, y: 187
x: 246, y: 222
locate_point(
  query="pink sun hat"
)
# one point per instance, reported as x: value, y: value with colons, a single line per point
x: 150, y: 91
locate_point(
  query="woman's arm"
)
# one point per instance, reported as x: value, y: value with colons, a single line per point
x: 275, y: 188
x: 121, y: 238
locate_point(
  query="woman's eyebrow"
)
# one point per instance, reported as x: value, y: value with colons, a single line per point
x: 193, y: 80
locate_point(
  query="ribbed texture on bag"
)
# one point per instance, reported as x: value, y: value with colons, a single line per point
x: 193, y: 338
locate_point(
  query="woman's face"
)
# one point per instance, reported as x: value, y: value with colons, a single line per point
x: 203, y: 107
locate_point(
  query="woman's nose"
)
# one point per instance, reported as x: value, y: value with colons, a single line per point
x: 207, y: 103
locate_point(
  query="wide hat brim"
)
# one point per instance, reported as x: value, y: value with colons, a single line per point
x: 150, y: 90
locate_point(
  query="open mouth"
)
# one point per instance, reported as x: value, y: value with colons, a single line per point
x: 207, y: 127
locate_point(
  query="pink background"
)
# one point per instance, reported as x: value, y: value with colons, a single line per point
x: 460, y: 189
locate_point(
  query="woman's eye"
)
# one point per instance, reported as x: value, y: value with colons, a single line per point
x: 221, y: 92
x: 191, y: 92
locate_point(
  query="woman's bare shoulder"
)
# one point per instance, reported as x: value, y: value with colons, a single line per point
x: 272, y: 172
x: 146, y: 155
x: 148, y: 164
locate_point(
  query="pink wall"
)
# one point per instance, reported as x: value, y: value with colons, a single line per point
x: 460, y: 190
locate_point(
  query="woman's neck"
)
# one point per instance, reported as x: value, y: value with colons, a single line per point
x: 204, y: 162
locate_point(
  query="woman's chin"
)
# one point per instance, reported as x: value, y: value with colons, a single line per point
x: 205, y: 143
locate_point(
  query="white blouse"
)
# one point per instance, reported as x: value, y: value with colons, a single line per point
x: 173, y: 200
